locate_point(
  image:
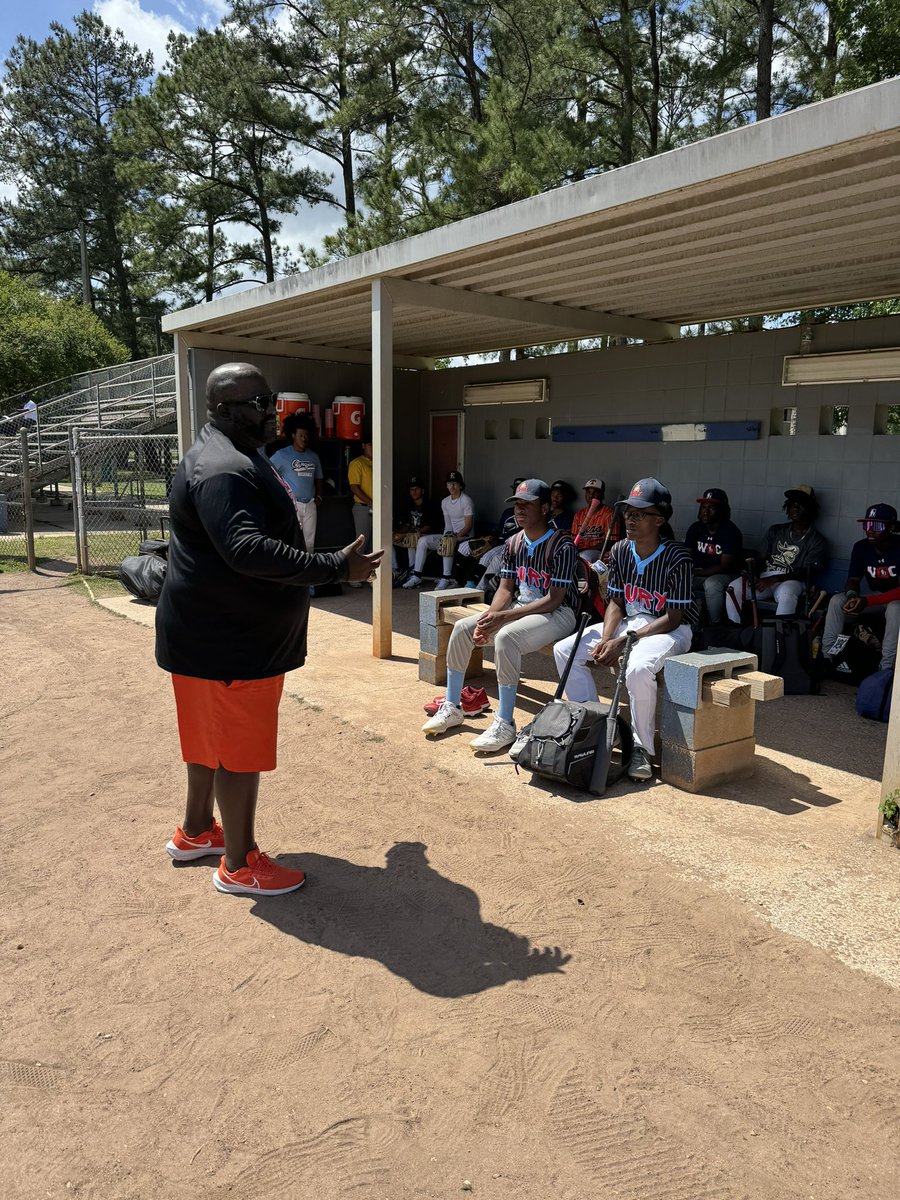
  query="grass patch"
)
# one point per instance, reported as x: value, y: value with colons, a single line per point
x: 99, y: 585
x: 105, y: 550
x: 307, y: 703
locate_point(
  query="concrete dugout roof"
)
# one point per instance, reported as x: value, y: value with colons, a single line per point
x: 798, y: 211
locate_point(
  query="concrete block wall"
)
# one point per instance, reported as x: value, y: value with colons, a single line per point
x: 734, y: 377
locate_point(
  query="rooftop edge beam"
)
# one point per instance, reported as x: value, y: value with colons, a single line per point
x: 581, y: 321
x: 226, y: 341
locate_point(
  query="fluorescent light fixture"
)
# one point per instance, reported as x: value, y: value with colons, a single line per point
x: 511, y: 391
x: 855, y: 366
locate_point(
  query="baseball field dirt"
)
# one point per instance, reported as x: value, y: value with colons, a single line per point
x: 487, y: 987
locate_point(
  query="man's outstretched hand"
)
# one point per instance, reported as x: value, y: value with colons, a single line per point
x: 362, y: 566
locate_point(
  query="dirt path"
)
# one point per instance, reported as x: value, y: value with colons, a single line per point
x: 484, y: 985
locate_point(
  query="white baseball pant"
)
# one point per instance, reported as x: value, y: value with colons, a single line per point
x: 308, y: 516
x: 786, y: 595
x: 644, y: 664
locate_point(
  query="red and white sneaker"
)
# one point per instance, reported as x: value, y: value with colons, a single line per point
x: 262, y: 876
x: 184, y: 848
x: 473, y: 701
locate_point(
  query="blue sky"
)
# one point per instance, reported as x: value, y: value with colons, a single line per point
x: 145, y: 22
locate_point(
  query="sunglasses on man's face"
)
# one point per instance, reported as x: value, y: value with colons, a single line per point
x: 261, y: 403
x: 875, y: 526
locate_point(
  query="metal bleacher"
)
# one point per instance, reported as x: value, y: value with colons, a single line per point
x: 138, y: 397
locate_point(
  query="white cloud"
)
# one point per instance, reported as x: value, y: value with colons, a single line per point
x: 145, y: 29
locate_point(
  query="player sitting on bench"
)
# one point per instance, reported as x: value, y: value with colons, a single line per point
x: 649, y: 593
x: 793, y: 550
x: 535, y: 604
x: 875, y: 558
x: 459, y: 518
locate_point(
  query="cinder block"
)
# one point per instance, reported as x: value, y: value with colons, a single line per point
x: 699, y: 770
x: 685, y: 674
x: 433, y: 667
x: 706, y: 726
x: 433, y: 639
x: 431, y: 603
x: 762, y: 686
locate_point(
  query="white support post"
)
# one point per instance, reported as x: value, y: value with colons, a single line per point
x: 890, y: 776
x: 183, y: 395
x: 383, y: 455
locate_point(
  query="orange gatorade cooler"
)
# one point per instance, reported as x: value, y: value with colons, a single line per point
x: 289, y: 403
x: 348, y: 417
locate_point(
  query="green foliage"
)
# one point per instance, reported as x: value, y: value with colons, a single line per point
x: 43, y: 338
x: 57, y: 106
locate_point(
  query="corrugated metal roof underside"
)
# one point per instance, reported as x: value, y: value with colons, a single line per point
x: 815, y: 229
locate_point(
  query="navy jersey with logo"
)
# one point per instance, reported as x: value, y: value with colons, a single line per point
x: 707, y: 548
x: 879, y: 568
x: 652, y: 585
x: 536, y: 566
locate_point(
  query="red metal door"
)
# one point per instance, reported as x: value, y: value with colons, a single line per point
x: 446, y: 449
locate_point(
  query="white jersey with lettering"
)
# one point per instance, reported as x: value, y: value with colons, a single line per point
x: 652, y: 585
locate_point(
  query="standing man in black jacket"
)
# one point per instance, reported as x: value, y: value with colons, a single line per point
x: 232, y: 619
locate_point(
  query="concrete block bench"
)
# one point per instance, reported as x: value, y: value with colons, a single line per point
x: 707, y: 717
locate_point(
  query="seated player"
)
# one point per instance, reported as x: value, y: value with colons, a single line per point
x: 649, y: 591
x: 715, y: 543
x: 591, y: 523
x: 875, y: 559
x: 489, y: 559
x: 459, y: 518
x: 300, y: 468
x: 793, y: 550
x: 562, y: 497
x: 419, y: 516
x: 535, y: 604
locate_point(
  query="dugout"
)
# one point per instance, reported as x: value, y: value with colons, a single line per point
x: 797, y: 212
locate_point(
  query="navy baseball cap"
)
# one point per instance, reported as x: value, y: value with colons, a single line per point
x: 415, y: 481
x: 880, y: 512
x: 531, y: 489
x: 645, y: 493
x: 455, y: 477
x: 713, y: 496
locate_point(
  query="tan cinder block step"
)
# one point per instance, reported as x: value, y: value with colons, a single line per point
x: 700, y: 770
x: 707, y: 726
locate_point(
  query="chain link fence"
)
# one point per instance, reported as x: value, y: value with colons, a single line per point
x: 120, y: 488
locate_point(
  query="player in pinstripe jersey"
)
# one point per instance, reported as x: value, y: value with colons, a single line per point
x: 534, y: 605
x: 650, y: 592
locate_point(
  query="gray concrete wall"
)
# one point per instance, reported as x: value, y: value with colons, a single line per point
x: 734, y: 377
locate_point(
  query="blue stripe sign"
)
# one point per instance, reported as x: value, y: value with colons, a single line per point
x: 690, y: 431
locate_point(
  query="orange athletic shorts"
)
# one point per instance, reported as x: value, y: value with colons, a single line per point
x: 228, y: 723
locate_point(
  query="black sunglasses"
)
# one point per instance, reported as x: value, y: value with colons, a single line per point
x: 261, y: 403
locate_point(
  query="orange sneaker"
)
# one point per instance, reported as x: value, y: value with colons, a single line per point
x: 184, y: 848
x: 262, y: 876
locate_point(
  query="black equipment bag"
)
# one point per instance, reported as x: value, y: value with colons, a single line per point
x: 786, y: 650
x: 158, y: 547
x: 574, y: 743
x: 143, y: 576
x: 873, y: 697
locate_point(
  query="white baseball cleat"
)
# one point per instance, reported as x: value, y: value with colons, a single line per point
x: 413, y: 581
x: 446, y: 717
x: 444, y: 582
x: 497, y: 736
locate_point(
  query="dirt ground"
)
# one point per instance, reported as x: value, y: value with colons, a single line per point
x: 487, y: 988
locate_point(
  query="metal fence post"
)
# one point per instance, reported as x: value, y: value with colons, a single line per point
x: 153, y: 389
x: 27, y: 506
x: 99, y: 408
x: 81, y: 546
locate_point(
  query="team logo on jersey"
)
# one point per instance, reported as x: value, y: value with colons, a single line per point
x: 529, y: 577
x: 653, y: 601
x: 883, y: 571
x: 709, y: 548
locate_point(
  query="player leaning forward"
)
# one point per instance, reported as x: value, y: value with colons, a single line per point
x: 650, y: 594
x: 534, y: 605
x: 232, y: 619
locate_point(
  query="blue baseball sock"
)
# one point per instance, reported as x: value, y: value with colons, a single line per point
x: 507, y: 704
x: 455, y: 681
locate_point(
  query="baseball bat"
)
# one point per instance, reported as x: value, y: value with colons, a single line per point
x: 594, y: 507
x: 751, y: 572
x: 818, y: 600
